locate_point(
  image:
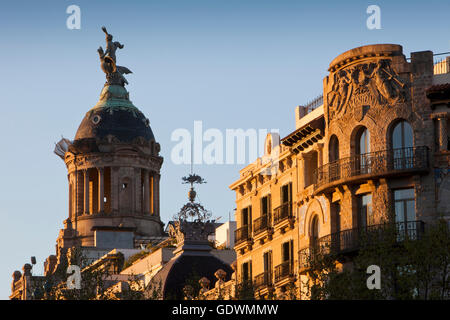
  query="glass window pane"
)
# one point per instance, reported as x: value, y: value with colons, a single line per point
x: 364, y: 142
x: 367, y: 199
x: 403, y: 194
x: 402, y: 135
x: 410, y: 211
x: 407, y: 135
x: 365, y: 210
x: 399, y: 211
x: 397, y: 137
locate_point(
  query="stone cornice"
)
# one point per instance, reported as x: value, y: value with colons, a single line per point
x: 97, y: 160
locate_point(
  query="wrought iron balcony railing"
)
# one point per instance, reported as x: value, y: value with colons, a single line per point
x: 263, y: 279
x: 242, y: 234
x: 284, y: 270
x: 282, y: 212
x: 351, y: 240
x: 261, y: 224
x: 373, y: 163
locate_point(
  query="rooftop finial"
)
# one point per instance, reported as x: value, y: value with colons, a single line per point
x: 114, y: 73
x: 193, y: 209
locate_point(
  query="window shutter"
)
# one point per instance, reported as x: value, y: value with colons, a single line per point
x: 291, y: 251
x: 250, y: 219
x: 269, y: 204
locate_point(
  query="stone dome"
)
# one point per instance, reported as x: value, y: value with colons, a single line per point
x: 114, y: 115
x: 177, y: 272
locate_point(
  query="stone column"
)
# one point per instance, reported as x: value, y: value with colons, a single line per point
x: 86, y: 191
x: 301, y: 172
x: 442, y: 131
x: 146, y: 197
x: 71, y: 214
x: 101, y: 190
x: 156, y: 177
x: 114, y: 189
x: 79, y: 203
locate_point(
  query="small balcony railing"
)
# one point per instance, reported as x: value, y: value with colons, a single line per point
x: 441, y: 63
x: 261, y: 224
x: 242, y: 234
x: 373, y: 163
x: 351, y: 240
x: 282, y: 212
x: 263, y: 279
x: 284, y: 270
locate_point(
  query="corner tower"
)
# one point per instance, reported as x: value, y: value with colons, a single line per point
x: 113, y: 168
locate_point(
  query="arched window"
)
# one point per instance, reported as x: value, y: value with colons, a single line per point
x: 402, y: 135
x: 402, y: 145
x: 333, y: 149
x: 362, y: 161
x: 363, y: 141
x: 333, y: 157
x: 314, y: 231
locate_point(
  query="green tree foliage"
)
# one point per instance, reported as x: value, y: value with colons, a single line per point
x: 245, y: 290
x: 97, y: 281
x: 413, y: 264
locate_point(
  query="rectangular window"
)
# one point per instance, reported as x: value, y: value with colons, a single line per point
x: 267, y: 260
x: 404, y: 205
x: 264, y: 205
x: 287, y: 251
x: 246, y: 271
x: 286, y: 193
x: 366, y: 217
x: 246, y: 217
x: 266, y: 210
x: 405, y: 212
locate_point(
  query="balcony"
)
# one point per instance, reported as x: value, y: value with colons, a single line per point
x: 371, y: 165
x: 261, y: 224
x: 441, y: 63
x: 242, y: 234
x: 282, y: 213
x: 350, y: 240
x: 263, y: 280
x: 284, y: 270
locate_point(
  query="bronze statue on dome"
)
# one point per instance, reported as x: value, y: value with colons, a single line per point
x: 114, y: 73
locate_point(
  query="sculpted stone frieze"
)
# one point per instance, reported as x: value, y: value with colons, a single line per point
x: 373, y: 84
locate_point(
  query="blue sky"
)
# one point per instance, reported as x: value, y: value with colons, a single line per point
x: 232, y: 64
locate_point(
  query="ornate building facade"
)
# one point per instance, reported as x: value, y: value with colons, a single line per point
x: 373, y: 148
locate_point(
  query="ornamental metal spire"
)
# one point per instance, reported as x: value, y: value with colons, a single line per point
x: 192, y: 209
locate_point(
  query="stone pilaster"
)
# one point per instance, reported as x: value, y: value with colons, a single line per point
x: 302, y: 175
x: 441, y: 119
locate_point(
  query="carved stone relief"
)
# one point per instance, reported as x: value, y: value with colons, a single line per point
x: 373, y: 84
